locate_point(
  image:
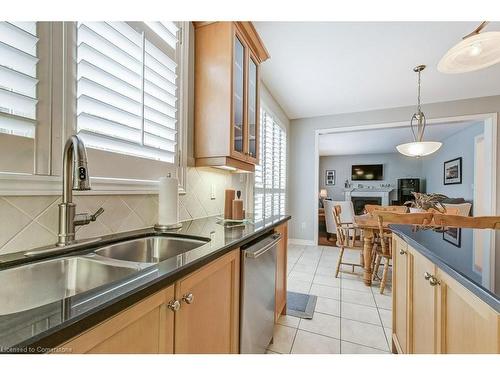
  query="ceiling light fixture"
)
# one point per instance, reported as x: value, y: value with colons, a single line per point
x: 475, y: 51
x: 418, y: 147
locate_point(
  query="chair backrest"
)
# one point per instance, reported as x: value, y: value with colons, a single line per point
x: 342, y: 229
x: 482, y: 222
x: 346, y: 216
x: 448, y: 211
x: 371, y: 208
x: 422, y: 218
x: 398, y: 218
x: 463, y: 208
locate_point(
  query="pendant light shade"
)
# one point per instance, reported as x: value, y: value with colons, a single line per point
x: 418, y: 148
x: 475, y: 51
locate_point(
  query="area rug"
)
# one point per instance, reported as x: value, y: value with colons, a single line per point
x: 300, y: 305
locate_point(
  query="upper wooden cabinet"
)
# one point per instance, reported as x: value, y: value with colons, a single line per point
x: 226, y: 116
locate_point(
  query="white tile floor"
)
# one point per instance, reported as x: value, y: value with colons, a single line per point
x: 350, y: 318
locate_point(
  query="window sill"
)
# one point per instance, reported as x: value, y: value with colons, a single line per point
x: 23, y: 184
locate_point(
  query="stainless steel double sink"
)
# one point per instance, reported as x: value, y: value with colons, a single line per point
x: 36, y: 284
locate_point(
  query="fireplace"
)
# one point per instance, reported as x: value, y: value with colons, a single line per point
x: 359, y: 203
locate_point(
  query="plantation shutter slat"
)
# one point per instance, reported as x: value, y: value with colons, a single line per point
x: 128, y: 88
x: 18, y: 78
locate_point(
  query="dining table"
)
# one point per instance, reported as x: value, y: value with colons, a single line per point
x: 369, y: 225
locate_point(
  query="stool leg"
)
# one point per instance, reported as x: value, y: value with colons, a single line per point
x: 384, y: 276
x: 377, y: 265
x: 339, y: 262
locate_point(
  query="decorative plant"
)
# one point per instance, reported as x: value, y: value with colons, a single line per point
x: 426, y: 201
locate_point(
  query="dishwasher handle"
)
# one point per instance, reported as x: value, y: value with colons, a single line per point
x: 255, y: 254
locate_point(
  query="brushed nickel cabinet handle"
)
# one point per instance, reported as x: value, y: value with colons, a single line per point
x: 188, y: 298
x: 174, y: 305
x: 402, y: 252
x: 427, y: 275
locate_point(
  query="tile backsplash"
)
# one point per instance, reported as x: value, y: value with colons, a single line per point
x: 32, y: 221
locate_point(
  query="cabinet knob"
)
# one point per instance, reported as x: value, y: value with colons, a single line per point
x: 434, y: 281
x: 174, y: 305
x: 188, y: 298
x: 402, y: 252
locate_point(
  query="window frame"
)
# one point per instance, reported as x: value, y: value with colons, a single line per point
x: 58, y: 118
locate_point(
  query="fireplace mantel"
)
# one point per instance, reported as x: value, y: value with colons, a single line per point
x: 381, y: 193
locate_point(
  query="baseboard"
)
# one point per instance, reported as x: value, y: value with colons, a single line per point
x: 298, y: 241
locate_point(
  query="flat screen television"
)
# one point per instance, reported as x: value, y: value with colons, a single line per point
x: 367, y: 172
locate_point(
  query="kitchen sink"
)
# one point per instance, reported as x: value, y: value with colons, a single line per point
x: 152, y: 249
x: 33, y: 285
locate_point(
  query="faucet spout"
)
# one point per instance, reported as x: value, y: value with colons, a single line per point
x: 75, y: 177
x: 75, y: 173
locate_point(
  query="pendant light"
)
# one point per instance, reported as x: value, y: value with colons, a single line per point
x: 418, y: 147
x: 475, y: 51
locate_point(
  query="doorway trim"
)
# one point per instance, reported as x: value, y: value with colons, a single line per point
x: 490, y: 121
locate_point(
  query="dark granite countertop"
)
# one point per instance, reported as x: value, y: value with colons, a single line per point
x: 463, y: 253
x: 45, y: 327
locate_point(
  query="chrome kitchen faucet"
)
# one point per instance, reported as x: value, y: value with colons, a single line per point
x: 75, y: 177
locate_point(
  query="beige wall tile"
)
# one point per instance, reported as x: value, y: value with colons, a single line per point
x: 12, y: 221
x: 122, y: 212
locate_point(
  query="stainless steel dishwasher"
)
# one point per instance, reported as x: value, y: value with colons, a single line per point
x: 258, y: 277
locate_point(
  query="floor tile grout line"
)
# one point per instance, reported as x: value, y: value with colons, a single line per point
x: 309, y: 291
x: 380, y: 318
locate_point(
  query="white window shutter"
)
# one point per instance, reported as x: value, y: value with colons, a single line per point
x: 128, y: 88
x: 270, y: 174
x: 18, y: 78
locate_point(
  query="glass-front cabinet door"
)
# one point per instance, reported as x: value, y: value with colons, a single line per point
x: 253, y: 110
x: 238, y: 132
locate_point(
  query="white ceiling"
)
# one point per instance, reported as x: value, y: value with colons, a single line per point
x: 321, y: 68
x: 381, y: 141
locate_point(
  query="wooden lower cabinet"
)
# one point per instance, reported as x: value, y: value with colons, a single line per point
x: 442, y: 316
x: 146, y: 327
x: 281, y: 272
x: 422, y: 298
x: 465, y: 323
x: 206, y: 322
x: 400, y: 286
x: 210, y: 322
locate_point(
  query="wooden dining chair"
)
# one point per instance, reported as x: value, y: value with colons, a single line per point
x: 447, y: 211
x: 371, y: 208
x: 383, y: 247
x: 480, y: 222
x: 343, y: 230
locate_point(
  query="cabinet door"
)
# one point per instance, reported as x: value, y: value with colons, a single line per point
x: 422, y: 305
x: 238, y: 136
x: 465, y: 323
x: 253, y: 110
x: 144, y: 328
x: 281, y: 273
x: 210, y: 322
x: 400, y: 295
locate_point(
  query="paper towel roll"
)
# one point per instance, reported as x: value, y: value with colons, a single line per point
x: 168, y: 201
